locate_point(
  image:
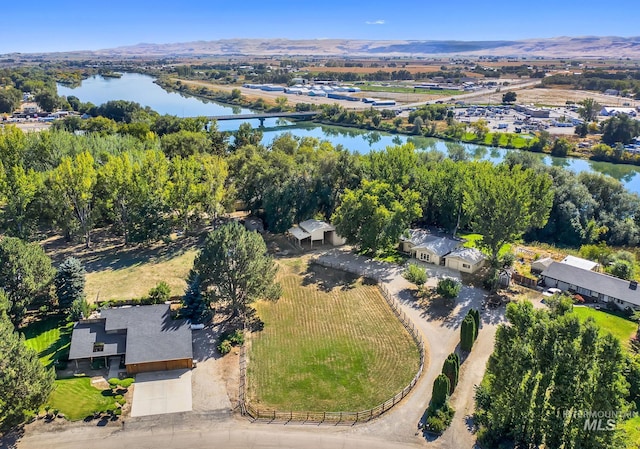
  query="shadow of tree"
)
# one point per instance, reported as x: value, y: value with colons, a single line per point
x: 327, y: 279
x: 10, y: 439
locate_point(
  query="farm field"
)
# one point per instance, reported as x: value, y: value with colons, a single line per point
x: 331, y: 343
x: 621, y: 328
x: 554, y: 97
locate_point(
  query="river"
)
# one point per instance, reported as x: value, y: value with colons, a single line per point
x: 141, y: 89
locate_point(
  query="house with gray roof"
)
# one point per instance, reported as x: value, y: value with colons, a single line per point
x: 147, y: 337
x: 467, y: 260
x: 427, y: 247
x: 592, y: 285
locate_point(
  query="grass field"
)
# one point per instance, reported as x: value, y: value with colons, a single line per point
x: 402, y: 90
x: 134, y: 280
x: 50, y: 337
x: 621, y: 328
x: 331, y: 343
x: 77, y: 398
x: 473, y: 241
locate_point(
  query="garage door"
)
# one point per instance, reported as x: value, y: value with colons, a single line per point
x: 159, y: 366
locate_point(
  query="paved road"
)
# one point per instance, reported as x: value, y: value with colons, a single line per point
x: 227, y: 434
x: 396, y: 429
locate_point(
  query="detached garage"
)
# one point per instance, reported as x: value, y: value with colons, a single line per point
x: 467, y: 260
x: 147, y: 337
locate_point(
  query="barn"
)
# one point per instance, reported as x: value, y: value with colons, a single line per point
x: 147, y: 337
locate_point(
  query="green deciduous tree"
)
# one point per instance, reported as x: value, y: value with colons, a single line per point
x: 504, y: 203
x: 545, y: 366
x: 234, y: 268
x: 47, y: 100
x: 21, y: 188
x: 185, y: 143
x: 619, y: 129
x: 448, y: 288
x: 70, y: 282
x: 589, y: 109
x: 375, y: 215
x: 25, y: 384
x: 561, y: 147
x: 9, y: 99
x: 25, y: 274
x: 509, y: 97
x: 415, y: 274
x: 73, y: 182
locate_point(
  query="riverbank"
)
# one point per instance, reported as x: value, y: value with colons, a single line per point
x: 235, y: 96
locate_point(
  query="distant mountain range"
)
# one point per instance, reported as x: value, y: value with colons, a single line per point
x: 585, y: 47
x: 559, y: 47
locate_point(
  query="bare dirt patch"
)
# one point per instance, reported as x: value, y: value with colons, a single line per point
x: 555, y: 97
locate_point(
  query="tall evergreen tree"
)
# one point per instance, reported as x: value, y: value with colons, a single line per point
x: 234, y: 268
x: 467, y: 333
x: 194, y: 305
x: 69, y: 282
x: 25, y: 383
x: 441, y: 388
x: 451, y: 369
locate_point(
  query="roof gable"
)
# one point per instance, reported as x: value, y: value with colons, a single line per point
x: 150, y: 333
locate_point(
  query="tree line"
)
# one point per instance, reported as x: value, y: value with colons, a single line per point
x: 143, y: 186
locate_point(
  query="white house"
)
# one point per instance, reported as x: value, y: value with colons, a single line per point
x: 467, y: 260
x: 427, y: 247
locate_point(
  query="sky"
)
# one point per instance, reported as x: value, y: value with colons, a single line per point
x: 66, y: 25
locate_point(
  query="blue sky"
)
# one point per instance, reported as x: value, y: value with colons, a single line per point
x: 60, y: 25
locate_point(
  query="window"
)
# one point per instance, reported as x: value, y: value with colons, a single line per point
x: 424, y: 256
x: 466, y: 265
x: 98, y: 347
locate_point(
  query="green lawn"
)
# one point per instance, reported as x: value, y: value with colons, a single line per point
x: 473, y: 240
x: 331, y: 343
x: 632, y: 429
x: 77, y: 398
x: 621, y: 328
x: 50, y: 337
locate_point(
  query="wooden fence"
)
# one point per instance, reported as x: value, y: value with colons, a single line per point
x: 336, y: 418
x: 525, y: 281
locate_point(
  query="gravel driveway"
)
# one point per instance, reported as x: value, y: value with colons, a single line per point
x: 441, y: 336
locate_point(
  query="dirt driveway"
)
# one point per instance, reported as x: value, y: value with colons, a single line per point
x: 215, y: 378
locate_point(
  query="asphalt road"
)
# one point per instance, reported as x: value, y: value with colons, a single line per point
x: 232, y: 434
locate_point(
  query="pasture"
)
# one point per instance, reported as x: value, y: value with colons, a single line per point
x: 331, y: 343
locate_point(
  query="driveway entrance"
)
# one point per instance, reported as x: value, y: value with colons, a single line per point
x: 161, y: 392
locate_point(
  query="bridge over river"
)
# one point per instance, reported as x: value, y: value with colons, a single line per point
x: 299, y: 115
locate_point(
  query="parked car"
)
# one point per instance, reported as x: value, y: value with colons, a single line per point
x: 551, y: 292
